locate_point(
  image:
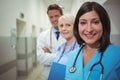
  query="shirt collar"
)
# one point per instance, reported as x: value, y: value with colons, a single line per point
x: 54, y: 30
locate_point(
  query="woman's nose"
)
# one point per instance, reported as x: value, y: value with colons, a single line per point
x: 63, y: 28
x: 89, y: 28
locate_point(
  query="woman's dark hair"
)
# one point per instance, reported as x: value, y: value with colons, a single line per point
x: 104, y: 18
x: 55, y: 7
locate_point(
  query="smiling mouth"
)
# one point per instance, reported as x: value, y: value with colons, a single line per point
x: 90, y: 36
x: 55, y: 22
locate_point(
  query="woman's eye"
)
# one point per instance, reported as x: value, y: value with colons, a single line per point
x: 68, y: 25
x: 82, y: 23
x: 96, y: 22
x: 61, y: 25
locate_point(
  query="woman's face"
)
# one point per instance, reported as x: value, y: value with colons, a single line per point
x: 90, y: 28
x: 66, y: 29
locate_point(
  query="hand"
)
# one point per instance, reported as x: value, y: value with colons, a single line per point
x: 46, y: 50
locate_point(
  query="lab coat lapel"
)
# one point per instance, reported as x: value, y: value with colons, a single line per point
x: 54, y: 41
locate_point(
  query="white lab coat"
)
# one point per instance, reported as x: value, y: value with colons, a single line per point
x: 43, y: 40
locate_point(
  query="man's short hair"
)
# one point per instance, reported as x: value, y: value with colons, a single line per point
x: 55, y: 7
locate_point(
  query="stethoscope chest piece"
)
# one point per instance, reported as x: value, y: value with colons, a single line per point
x: 72, y: 69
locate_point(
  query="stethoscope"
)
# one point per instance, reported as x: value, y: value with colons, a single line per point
x: 73, y: 47
x: 73, y: 68
x: 51, y: 38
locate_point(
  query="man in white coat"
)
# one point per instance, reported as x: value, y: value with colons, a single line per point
x: 48, y: 41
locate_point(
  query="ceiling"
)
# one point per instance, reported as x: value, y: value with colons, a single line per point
x: 65, y: 4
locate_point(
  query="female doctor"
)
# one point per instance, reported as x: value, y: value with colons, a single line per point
x: 58, y: 68
x: 97, y: 58
x: 65, y: 25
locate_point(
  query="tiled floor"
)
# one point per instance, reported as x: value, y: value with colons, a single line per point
x: 34, y: 75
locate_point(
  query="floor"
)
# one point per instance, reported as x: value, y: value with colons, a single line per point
x: 34, y: 74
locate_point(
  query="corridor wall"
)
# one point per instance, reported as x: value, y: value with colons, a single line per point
x: 112, y: 7
x: 33, y: 13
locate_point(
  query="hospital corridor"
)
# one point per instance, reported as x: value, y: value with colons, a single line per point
x: 21, y: 22
x: 33, y: 75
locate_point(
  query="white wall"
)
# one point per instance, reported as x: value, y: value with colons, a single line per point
x: 43, y: 19
x: 77, y: 3
x: 34, y: 14
x: 34, y: 11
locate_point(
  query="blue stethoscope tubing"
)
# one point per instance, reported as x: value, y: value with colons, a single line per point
x: 64, y: 50
x: 73, y: 68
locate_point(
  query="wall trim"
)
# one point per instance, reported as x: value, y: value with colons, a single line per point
x: 24, y: 56
x: 6, y: 67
